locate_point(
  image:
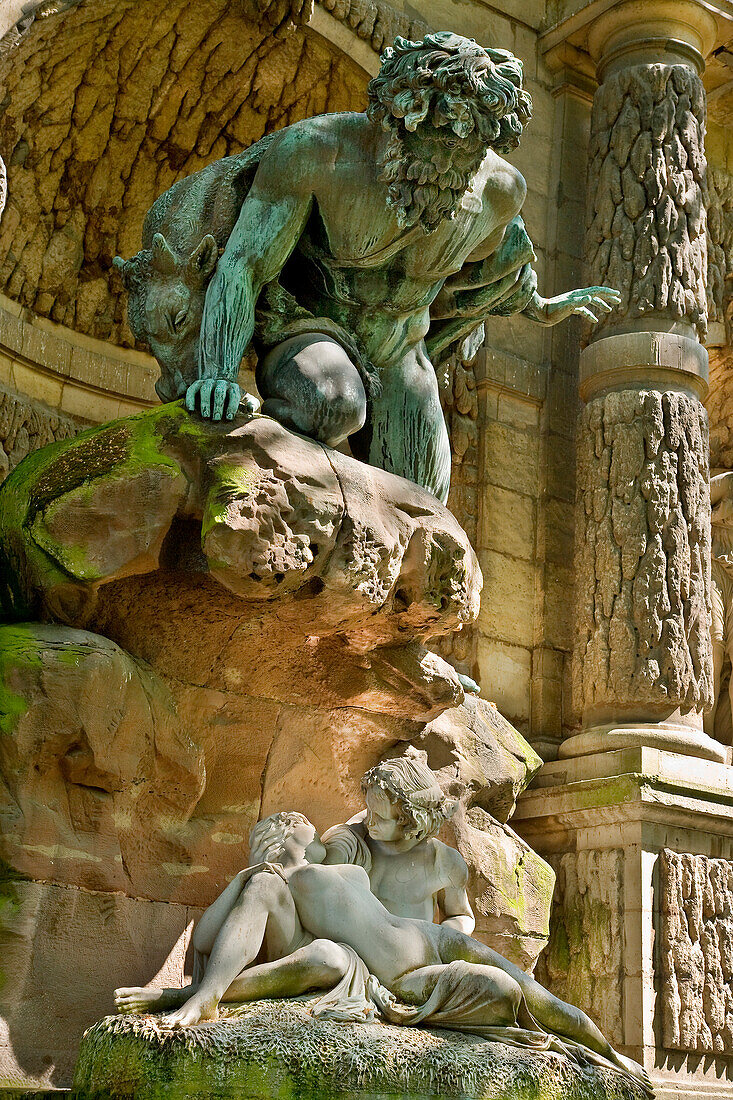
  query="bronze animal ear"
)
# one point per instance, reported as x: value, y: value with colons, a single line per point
x: 204, y: 257
x: 125, y: 269
x: 163, y: 258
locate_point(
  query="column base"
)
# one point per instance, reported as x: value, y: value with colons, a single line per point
x: 668, y: 737
x: 642, y: 844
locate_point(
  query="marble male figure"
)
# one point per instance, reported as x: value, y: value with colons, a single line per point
x: 309, y: 916
x: 364, y: 244
x: 395, y: 840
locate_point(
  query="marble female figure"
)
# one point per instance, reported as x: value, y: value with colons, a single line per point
x: 458, y: 982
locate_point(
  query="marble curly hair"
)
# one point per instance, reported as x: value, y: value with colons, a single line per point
x: 267, y: 839
x: 472, y: 98
x: 409, y: 783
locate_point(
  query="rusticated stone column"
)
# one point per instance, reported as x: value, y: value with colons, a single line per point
x: 642, y: 663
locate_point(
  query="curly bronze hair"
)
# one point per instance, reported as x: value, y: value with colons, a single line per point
x: 472, y: 99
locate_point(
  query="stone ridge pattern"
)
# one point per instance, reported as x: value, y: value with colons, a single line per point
x: 643, y: 552
x: 646, y: 232
x: 26, y: 425
x: 696, y: 933
x: 459, y: 399
x: 719, y: 205
x: 107, y: 104
x: 719, y: 404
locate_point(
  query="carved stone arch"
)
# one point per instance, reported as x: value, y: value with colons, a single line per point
x: 109, y: 102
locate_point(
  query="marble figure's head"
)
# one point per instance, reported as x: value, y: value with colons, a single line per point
x: 166, y: 304
x: 280, y: 833
x: 444, y: 101
x: 419, y: 808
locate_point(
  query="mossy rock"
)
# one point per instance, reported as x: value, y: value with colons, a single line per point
x: 277, y: 1050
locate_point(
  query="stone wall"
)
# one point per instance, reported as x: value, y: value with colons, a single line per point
x: 26, y: 425
x: 106, y: 104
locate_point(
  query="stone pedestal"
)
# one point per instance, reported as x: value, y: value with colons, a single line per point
x: 272, y: 1050
x: 641, y: 840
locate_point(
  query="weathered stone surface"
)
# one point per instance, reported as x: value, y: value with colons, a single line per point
x: 479, y: 757
x: 26, y: 425
x: 584, y: 962
x: 484, y: 763
x: 642, y: 553
x: 277, y: 1050
x: 719, y: 207
x: 64, y: 950
x: 646, y: 211
x: 107, y: 104
x: 95, y: 767
x: 696, y: 962
x: 510, y: 886
x: 280, y: 593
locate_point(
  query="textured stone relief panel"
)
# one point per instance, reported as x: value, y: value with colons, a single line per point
x: 719, y: 203
x: 459, y: 398
x: 375, y: 21
x: 583, y: 962
x: 25, y: 426
x: 646, y: 232
x: 107, y: 104
x: 643, y: 552
x: 696, y: 952
x: 719, y: 404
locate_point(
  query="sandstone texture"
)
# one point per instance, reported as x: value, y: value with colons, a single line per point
x: 642, y: 553
x: 26, y: 425
x: 646, y: 178
x: 64, y: 950
x: 719, y: 207
x: 108, y: 103
x: 482, y: 761
x: 263, y: 604
x: 583, y: 963
x: 277, y: 1050
x: 696, y: 895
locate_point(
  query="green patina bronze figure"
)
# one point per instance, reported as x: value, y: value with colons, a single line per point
x: 350, y: 249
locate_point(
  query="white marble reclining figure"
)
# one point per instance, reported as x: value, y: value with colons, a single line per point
x: 312, y: 919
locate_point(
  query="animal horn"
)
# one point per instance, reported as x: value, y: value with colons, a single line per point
x: 163, y: 258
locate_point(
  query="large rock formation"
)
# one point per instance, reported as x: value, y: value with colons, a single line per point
x: 204, y: 624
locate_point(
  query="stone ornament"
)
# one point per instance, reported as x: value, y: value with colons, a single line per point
x: 696, y: 903
x: 300, y: 267
x: 643, y: 549
x: 646, y: 182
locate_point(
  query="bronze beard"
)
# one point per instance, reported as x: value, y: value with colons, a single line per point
x: 428, y: 172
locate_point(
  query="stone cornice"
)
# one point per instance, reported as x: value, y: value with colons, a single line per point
x: 571, y: 52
